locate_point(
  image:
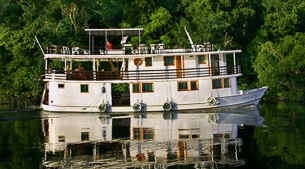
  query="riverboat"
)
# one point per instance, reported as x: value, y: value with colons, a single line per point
x: 145, y: 77
x: 146, y: 140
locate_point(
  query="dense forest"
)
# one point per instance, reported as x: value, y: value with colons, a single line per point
x: 271, y: 34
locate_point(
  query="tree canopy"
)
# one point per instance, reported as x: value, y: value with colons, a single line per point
x: 270, y: 33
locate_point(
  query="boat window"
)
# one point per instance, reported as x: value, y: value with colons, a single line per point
x: 194, y: 85
x: 61, y: 138
x: 217, y: 83
x: 227, y: 82
x: 148, y: 133
x: 147, y: 87
x: 217, y: 135
x: 224, y: 135
x: 84, y: 136
x: 202, y: 59
x: 195, y: 136
x: 143, y: 133
x: 148, y: 61
x: 182, y: 86
x: 136, y: 134
x: 168, y: 60
x: 136, y: 87
x: 188, y: 133
x: 84, y: 88
x: 227, y: 135
x: 61, y: 86
x: 183, y: 136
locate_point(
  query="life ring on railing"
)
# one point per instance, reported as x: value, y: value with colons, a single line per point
x: 212, y: 101
x: 137, y: 107
x: 137, y: 61
x: 167, y: 106
x: 102, y: 107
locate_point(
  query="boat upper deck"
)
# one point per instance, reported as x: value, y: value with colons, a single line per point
x: 124, y: 62
x: 124, y: 49
x: 59, y: 52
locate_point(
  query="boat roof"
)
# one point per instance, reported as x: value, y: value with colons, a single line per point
x: 116, y: 32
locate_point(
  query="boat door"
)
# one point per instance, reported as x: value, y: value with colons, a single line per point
x: 179, y: 70
x: 120, y: 94
x: 215, y: 64
x: 45, y: 95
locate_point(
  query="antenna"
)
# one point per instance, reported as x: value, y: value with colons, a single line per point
x: 39, y: 45
x: 188, y: 35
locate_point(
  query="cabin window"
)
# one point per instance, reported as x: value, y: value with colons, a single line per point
x: 168, y: 60
x: 188, y: 133
x: 148, y: 134
x: 147, y: 87
x: 84, y: 88
x: 195, y: 136
x: 85, y: 136
x: 227, y: 82
x: 136, y: 134
x: 194, y: 85
x: 217, y: 135
x: 188, y: 136
x: 217, y: 84
x: 61, y: 139
x: 202, y: 59
x: 182, y: 86
x: 148, y: 61
x: 227, y: 135
x: 183, y: 136
x: 61, y: 86
x: 143, y: 133
x: 136, y: 87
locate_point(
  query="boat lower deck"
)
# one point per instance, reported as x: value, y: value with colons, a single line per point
x: 245, y: 98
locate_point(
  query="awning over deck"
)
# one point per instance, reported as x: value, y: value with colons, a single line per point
x: 116, y: 32
x: 123, y: 32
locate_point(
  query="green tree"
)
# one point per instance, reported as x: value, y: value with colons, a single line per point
x: 22, y: 61
x: 277, y: 49
x: 281, y: 66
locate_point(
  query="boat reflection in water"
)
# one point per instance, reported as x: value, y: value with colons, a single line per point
x: 156, y: 140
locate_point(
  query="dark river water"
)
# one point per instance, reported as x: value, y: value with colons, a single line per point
x: 272, y: 136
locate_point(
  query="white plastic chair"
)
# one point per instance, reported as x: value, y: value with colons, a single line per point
x: 103, y: 52
x: 86, y: 52
x: 65, y: 50
x: 75, y: 50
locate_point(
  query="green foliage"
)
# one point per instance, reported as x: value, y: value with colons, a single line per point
x: 281, y: 66
x: 278, y: 49
x: 120, y: 88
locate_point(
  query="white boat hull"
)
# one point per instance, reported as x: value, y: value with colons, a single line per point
x: 243, y: 99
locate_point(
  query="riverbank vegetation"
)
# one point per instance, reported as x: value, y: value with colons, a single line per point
x: 271, y: 34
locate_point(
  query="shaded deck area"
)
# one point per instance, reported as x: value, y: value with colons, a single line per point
x: 142, y: 74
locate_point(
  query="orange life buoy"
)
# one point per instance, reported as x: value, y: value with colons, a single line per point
x: 137, y: 61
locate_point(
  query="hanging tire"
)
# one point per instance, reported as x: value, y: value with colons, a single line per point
x: 137, y: 107
x: 102, y: 108
x: 167, y: 106
x: 212, y: 101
